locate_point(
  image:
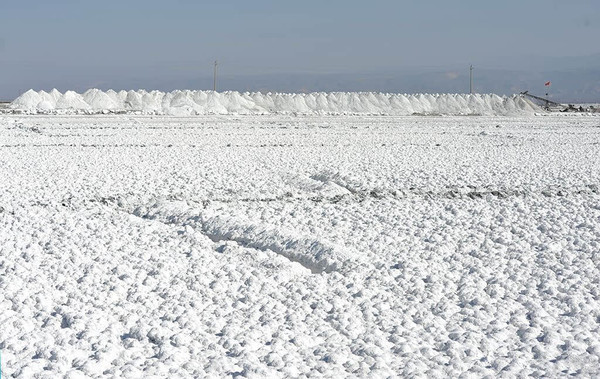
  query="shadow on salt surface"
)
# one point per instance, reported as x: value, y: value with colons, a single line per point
x: 345, y: 182
x: 314, y: 254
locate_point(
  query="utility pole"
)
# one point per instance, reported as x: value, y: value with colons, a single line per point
x: 471, y: 79
x: 215, y: 78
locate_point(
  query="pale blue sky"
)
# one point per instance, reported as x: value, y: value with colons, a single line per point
x: 149, y: 44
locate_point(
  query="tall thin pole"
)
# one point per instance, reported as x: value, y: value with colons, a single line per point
x: 215, y: 78
x: 471, y: 79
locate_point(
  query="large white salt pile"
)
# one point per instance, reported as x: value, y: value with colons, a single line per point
x: 48, y: 98
x: 183, y: 103
x: 99, y: 100
x: 55, y: 94
x: 28, y: 100
x: 72, y: 100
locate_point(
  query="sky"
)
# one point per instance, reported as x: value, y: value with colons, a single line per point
x: 380, y: 45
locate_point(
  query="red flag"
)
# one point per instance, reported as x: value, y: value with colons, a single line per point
x: 547, y: 84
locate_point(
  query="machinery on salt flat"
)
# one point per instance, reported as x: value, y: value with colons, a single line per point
x: 553, y: 106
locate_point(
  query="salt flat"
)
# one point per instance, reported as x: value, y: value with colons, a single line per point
x: 141, y: 246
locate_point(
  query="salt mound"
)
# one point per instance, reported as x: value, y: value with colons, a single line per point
x: 46, y: 105
x: 55, y: 94
x: 48, y: 99
x: 28, y: 100
x: 99, y: 100
x: 71, y: 100
x: 185, y: 103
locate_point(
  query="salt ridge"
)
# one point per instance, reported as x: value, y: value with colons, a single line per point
x: 187, y: 102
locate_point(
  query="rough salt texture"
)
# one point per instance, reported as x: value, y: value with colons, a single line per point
x: 185, y: 103
x: 279, y: 246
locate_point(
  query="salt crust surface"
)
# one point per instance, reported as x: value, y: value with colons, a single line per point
x: 185, y: 103
x: 279, y: 246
